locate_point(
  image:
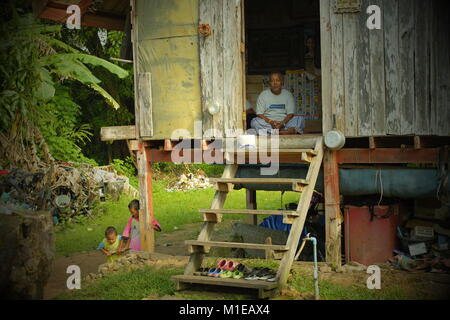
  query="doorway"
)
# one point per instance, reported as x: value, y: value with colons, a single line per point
x: 284, y: 36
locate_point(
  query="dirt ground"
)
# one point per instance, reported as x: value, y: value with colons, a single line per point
x: 170, y: 247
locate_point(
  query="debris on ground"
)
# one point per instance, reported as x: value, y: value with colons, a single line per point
x: 66, y: 189
x: 190, y: 181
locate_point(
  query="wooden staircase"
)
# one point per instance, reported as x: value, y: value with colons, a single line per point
x: 198, y: 248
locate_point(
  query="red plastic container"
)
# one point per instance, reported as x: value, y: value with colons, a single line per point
x: 370, y: 242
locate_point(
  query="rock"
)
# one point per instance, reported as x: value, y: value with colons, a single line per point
x: 149, y: 263
x: 341, y: 270
x: 325, y: 269
x: 357, y: 266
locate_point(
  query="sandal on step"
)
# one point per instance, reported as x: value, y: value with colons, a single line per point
x: 226, y: 274
x: 222, y: 263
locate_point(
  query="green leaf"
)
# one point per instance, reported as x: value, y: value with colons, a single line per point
x: 98, y: 62
x: 109, y: 99
x: 46, y: 91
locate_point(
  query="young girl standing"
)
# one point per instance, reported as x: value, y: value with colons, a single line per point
x: 131, y: 230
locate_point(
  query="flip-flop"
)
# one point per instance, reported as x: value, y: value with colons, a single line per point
x: 263, y: 273
x: 217, y: 273
x: 202, y: 272
x: 222, y: 264
x: 211, y: 272
x: 273, y: 278
x: 226, y: 274
x: 253, y: 274
x: 231, y: 265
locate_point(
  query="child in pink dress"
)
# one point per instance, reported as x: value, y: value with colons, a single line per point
x: 132, y: 228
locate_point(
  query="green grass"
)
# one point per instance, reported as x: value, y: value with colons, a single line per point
x: 133, y: 285
x: 141, y: 283
x: 173, y: 210
x: 332, y: 291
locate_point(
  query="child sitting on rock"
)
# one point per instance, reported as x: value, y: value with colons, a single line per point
x: 111, y: 244
x: 131, y: 232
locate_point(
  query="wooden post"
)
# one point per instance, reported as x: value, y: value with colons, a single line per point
x: 332, y: 208
x: 146, y: 200
x: 251, y: 204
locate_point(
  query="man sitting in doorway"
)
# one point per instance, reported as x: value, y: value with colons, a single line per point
x: 275, y: 109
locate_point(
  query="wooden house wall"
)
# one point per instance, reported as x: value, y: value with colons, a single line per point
x: 167, y: 67
x: 393, y: 81
x: 222, y: 66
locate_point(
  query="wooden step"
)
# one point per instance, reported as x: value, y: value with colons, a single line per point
x: 238, y: 283
x: 305, y: 155
x: 196, y: 245
x: 226, y: 185
x: 211, y: 215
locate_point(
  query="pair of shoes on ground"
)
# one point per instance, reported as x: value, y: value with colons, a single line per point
x: 221, y: 273
x: 228, y: 265
x: 202, y: 272
x: 261, y: 274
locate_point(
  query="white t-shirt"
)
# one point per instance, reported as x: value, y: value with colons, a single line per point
x: 275, y: 107
x: 248, y: 105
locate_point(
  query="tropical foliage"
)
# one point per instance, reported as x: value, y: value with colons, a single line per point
x: 41, y: 74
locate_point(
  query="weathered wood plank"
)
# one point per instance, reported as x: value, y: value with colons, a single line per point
x: 118, y: 133
x: 332, y: 209
x: 364, y: 108
x: 391, y: 42
x: 406, y: 74
x: 206, y: 45
x: 434, y: 48
x: 145, y: 105
x: 351, y: 73
x: 422, y: 67
x: 443, y: 79
x: 233, y: 68
x: 302, y: 209
x: 145, y: 202
x: 337, y: 70
x: 251, y: 204
x: 217, y: 80
x: 256, y: 284
x: 325, y: 43
x: 251, y: 212
x: 134, y: 40
x: 235, y: 245
x: 378, y: 101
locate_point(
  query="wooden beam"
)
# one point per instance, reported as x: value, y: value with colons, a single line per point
x: 88, y: 19
x: 326, y: 51
x: 144, y: 96
x: 417, y: 142
x: 118, y: 133
x: 372, y: 144
x: 250, y: 199
x: 196, y: 259
x: 387, y: 156
x: 133, y: 145
x: 145, y: 200
x: 332, y: 209
x: 38, y: 6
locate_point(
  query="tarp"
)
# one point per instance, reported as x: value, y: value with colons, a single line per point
x: 399, y: 183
